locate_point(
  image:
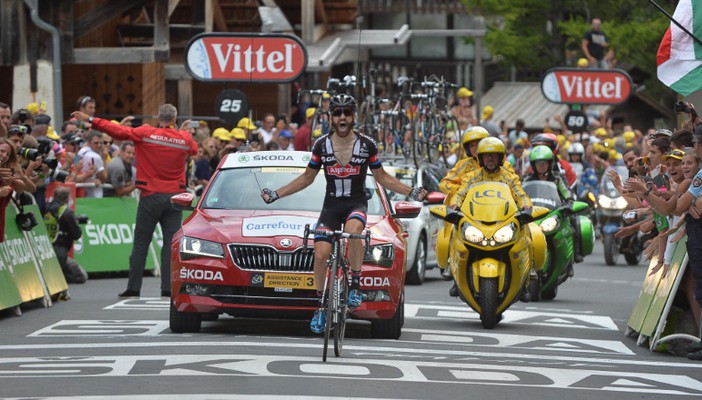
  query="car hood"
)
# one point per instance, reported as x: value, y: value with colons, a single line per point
x: 235, y: 226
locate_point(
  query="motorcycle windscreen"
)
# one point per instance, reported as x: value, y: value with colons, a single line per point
x: 489, y: 202
x: 607, y: 187
x: 543, y: 194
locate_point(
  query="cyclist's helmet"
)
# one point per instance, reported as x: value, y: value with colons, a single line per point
x: 342, y: 100
x: 491, y: 145
x: 547, y: 139
x: 472, y: 134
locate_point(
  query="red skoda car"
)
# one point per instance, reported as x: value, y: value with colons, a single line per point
x: 237, y: 255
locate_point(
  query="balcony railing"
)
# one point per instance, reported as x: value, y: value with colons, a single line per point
x: 412, y: 6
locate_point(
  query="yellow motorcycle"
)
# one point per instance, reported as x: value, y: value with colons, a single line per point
x: 493, y: 248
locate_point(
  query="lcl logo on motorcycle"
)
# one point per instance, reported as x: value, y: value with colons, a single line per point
x: 488, y: 193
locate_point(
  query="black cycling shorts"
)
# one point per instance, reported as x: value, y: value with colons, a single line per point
x: 336, y: 211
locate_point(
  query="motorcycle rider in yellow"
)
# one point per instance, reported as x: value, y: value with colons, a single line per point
x: 452, y: 182
x: 491, y: 156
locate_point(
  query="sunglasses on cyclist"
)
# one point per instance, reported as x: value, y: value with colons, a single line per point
x: 338, y: 112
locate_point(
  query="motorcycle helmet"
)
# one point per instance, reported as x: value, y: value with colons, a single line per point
x: 540, y: 153
x: 342, y: 100
x: 547, y: 139
x: 491, y: 145
x: 576, y: 148
x: 473, y: 133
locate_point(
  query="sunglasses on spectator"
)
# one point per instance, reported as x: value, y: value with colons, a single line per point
x: 107, y: 142
x: 338, y: 112
x: 86, y: 99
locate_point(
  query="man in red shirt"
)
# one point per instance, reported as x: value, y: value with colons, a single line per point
x: 161, y: 154
x: 301, y: 141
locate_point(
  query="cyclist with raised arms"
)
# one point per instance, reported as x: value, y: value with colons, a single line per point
x: 345, y: 156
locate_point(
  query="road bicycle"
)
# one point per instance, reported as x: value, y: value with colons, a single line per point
x: 434, y: 130
x: 336, y: 286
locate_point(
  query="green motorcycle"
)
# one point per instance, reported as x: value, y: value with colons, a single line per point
x: 558, y: 230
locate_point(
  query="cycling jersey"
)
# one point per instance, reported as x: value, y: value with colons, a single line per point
x: 345, y: 181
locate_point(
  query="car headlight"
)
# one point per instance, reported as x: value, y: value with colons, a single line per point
x: 381, y: 254
x: 193, y: 247
x: 472, y: 234
x: 549, y: 224
x: 505, y: 234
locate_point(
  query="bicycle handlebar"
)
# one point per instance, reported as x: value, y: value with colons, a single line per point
x: 336, y: 235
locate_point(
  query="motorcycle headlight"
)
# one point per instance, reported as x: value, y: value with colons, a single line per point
x: 472, y: 234
x: 603, y: 201
x: 193, y: 247
x: 383, y: 255
x: 505, y: 234
x: 620, y: 203
x: 549, y: 224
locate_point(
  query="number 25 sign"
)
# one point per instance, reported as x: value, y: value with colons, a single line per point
x: 231, y: 105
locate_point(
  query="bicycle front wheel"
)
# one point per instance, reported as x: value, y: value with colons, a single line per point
x: 341, y: 295
x: 330, y: 306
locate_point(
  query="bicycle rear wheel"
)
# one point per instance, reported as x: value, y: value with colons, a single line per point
x: 420, y: 144
x: 330, y: 306
x: 341, y: 296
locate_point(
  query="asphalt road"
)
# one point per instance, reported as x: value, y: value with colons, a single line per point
x: 98, y: 346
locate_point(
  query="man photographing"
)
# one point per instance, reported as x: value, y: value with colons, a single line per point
x: 63, y: 229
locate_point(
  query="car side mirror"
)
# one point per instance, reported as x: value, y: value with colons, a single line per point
x: 407, y: 209
x: 435, y: 198
x: 183, y: 201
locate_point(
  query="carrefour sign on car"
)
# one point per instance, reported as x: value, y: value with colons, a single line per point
x: 245, y: 57
x: 288, y: 225
x: 586, y: 86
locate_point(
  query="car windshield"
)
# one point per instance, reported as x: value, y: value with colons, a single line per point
x: 239, y: 189
x: 607, y: 187
x: 543, y: 194
x: 406, y: 175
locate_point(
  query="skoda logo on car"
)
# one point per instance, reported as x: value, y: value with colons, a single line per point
x: 285, y: 242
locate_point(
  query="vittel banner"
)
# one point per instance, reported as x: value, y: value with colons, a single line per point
x: 586, y: 86
x: 243, y: 57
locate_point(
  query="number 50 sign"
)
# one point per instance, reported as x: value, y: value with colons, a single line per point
x: 231, y: 105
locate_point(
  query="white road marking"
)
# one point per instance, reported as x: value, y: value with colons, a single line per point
x: 559, y: 319
x: 349, y: 347
x: 71, y: 328
x: 503, y: 340
x: 387, y: 370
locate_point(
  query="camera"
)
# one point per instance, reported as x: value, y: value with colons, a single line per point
x: 683, y: 107
x: 45, y: 145
x: 59, y: 175
x: 22, y: 115
x: 29, y: 154
x: 82, y: 219
x: 26, y: 221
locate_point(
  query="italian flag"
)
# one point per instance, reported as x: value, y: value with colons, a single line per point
x: 679, y: 57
